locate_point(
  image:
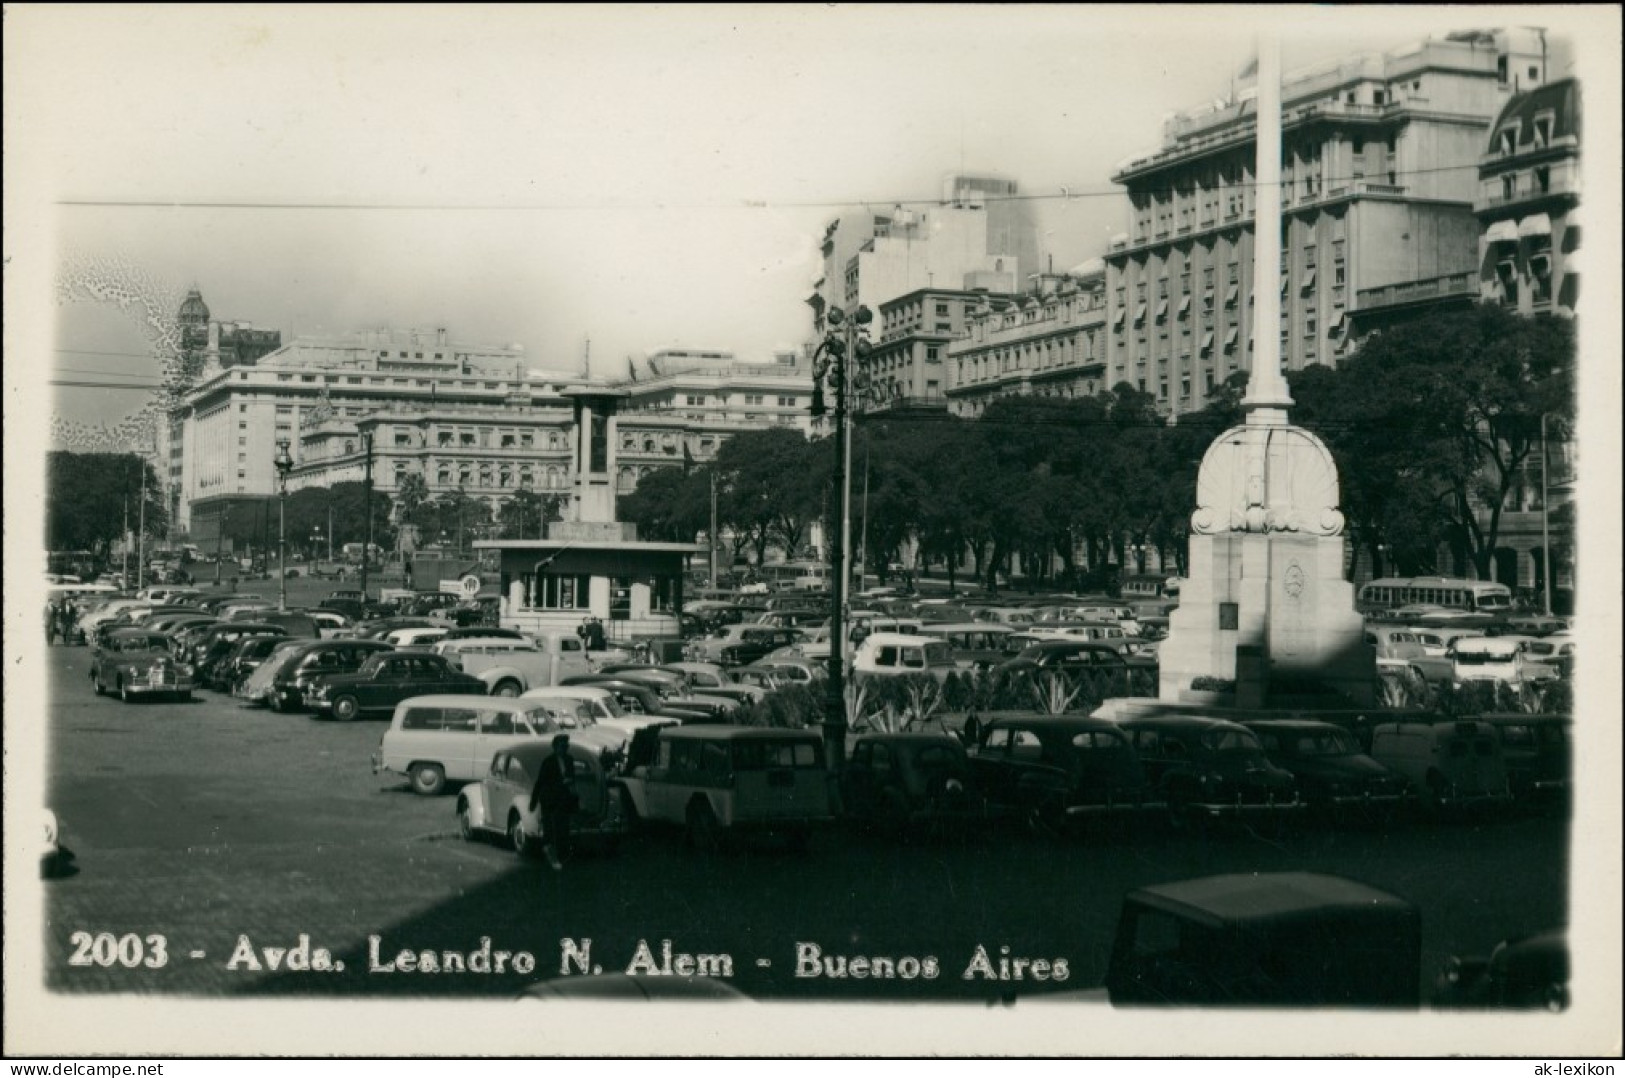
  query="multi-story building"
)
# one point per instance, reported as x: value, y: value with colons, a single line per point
x: 314, y: 393
x: 682, y: 405
x: 1528, y: 207
x: 907, y: 368
x: 1049, y: 341
x: 980, y: 235
x: 1378, y: 185
x: 1528, y: 189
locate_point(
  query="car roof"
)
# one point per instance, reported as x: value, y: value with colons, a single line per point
x: 1184, y: 722
x: 738, y: 733
x: 1054, y: 722
x: 586, y: 737
x: 577, y: 691
x: 933, y: 628
x: 1267, y: 896
x: 902, y: 640
x: 447, y: 699
x: 911, y: 737
x: 1301, y: 726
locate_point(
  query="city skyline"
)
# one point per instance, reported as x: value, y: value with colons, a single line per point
x: 549, y: 213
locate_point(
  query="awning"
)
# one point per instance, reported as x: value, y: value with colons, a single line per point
x: 1285, y: 284
x: 1230, y: 337
x: 1337, y: 324
x: 1230, y: 296
x: 1139, y: 313
x: 1162, y: 308
x: 1308, y: 281
x: 1207, y: 341
x: 1184, y: 304
x: 1121, y: 314
x: 1537, y: 225
x: 1502, y: 232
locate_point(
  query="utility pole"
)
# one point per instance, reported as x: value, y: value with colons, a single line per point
x: 713, y: 525
x: 841, y: 344
x: 1546, y: 560
x: 141, y: 534
x: 330, y: 533
x: 366, y: 508
x: 220, y: 540
x: 126, y: 540
x: 863, y: 544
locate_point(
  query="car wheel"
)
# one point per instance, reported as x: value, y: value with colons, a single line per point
x: 346, y: 708
x: 96, y: 679
x: 427, y: 779
x: 124, y: 692
x: 507, y: 687
x: 704, y: 833
x: 465, y: 821
x: 521, y: 841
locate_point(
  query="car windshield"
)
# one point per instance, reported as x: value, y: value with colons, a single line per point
x: 1231, y: 741
x: 1481, y: 658
x: 1326, y: 743
x: 761, y: 755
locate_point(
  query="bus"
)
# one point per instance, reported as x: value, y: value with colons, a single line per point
x: 1450, y: 593
x: 797, y: 576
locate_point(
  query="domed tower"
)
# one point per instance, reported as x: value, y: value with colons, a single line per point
x: 194, y: 321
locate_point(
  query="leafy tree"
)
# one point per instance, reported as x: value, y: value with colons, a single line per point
x: 669, y: 505
x: 766, y: 491
x: 87, y: 494
x: 524, y: 513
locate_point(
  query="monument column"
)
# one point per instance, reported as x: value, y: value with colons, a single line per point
x: 1266, y: 550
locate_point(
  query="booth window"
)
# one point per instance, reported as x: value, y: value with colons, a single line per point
x: 561, y: 592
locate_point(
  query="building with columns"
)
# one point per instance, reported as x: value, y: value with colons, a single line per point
x: 1378, y: 190
x: 1049, y: 341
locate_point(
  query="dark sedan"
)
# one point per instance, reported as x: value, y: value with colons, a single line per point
x: 1054, y: 770
x: 1334, y: 777
x: 136, y: 662
x: 1210, y: 769
x: 218, y: 642
x: 642, y: 699
x: 318, y: 659
x: 384, y: 681
x: 895, y: 783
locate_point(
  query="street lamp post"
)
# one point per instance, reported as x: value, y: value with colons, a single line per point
x: 284, y: 465
x: 220, y: 540
x: 845, y: 340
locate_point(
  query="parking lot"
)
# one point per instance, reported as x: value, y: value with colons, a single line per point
x: 248, y: 842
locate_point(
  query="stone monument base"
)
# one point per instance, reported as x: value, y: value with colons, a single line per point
x: 1278, y: 597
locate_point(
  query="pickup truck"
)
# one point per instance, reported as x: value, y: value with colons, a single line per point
x: 510, y: 667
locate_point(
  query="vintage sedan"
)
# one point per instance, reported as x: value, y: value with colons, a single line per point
x: 136, y: 662
x: 1210, y: 769
x: 1056, y: 770
x: 1538, y: 753
x: 1520, y: 974
x: 709, y: 679
x: 285, y: 690
x: 217, y: 642
x: 500, y: 802
x: 1334, y: 777
x: 894, y: 783
x: 384, y: 681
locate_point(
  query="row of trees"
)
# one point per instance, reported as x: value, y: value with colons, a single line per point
x: 1432, y: 425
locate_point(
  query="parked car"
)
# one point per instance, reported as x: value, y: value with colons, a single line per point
x: 717, y: 781
x: 1289, y: 939
x: 782, y: 671
x: 137, y: 662
x: 500, y: 802
x: 330, y: 623
x: 1538, y: 753
x: 589, y: 705
x: 1087, y: 657
x: 709, y: 679
x: 1496, y: 658
x: 244, y: 658
x: 902, y: 655
x: 739, y: 644
x: 416, y: 638
x: 286, y: 688
x: 1555, y: 650
x: 1335, y: 778
x: 1055, y: 770
x: 975, y: 645
x: 378, y: 628
x: 437, y: 739
x: 1401, y: 648
x: 1451, y: 763
x: 217, y: 643
x: 1209, y: 769
x: 896, y: 783
x: 1528, y: 973
x: 641, y: 699
x: 513, y: 666
x: 383, y: 681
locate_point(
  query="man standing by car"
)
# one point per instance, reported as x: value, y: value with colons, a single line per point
x: 554, y: 798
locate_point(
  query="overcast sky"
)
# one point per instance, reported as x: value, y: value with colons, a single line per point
x: 643, y: 177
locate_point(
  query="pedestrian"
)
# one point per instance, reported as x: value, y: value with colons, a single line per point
x: 595, y: 635
x: 50, y: 622
x: 554, y: 797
